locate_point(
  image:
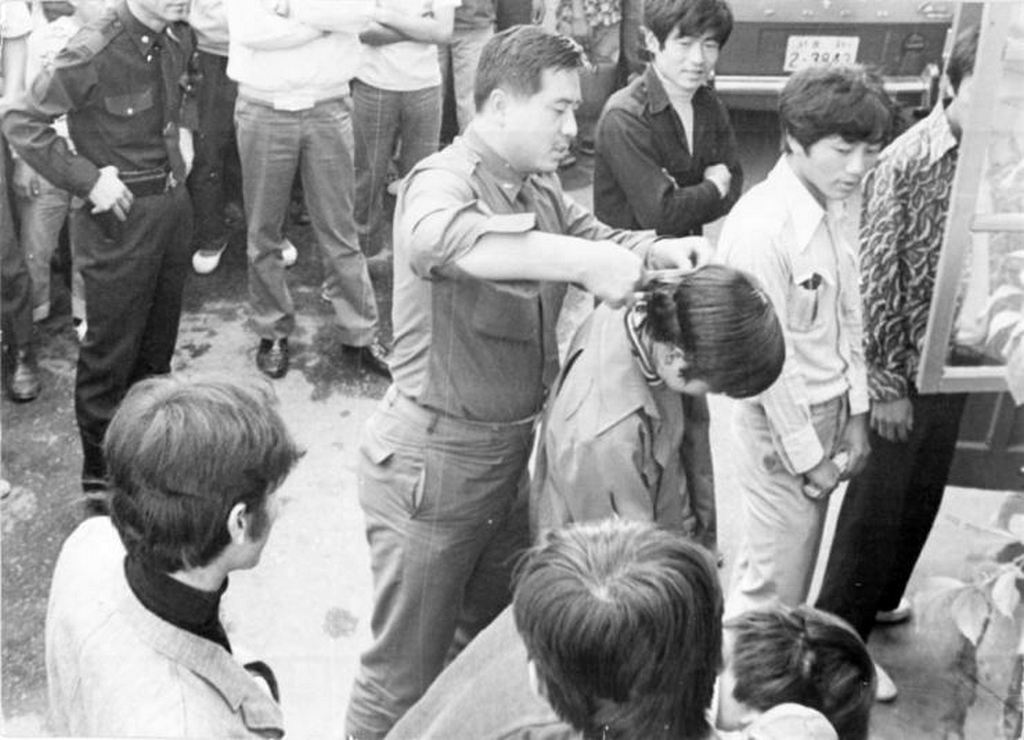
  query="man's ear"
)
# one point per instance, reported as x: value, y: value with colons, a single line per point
x: 497, y: 102
x: 238, y: 523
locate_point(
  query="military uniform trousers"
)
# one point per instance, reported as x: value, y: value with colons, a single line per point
x: 446, y: 503
x: 134, y: 273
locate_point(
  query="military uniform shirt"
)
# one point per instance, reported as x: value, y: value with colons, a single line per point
x: 470, y: 348
x: 125, y: 89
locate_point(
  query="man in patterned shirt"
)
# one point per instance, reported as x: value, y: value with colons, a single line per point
x: 890, y: 507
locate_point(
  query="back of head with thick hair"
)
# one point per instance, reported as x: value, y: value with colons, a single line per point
x: 961, y: 59
x: 514, y: 60
x: 181, y: 453
x: 850, y: 102
x: 623, y: 624
x: 726, y: 326
x: 691, y: 17
x: 805, y: 656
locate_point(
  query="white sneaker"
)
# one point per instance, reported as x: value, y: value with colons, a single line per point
x: 901, y: 613
x: 205, y: 261
x: 289, y: 254
x: 885, y: 689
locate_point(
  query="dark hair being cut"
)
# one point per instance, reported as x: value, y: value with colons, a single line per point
x: 726, y: 327
x: 515, y: 59
x: 181, y: 453
x: 623, y: 624
x: 804, y: 656
x: 849, y: 101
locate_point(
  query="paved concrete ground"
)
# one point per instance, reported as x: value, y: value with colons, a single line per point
x: 306, y: 608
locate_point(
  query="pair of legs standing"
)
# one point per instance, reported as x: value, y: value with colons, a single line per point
x: 382, y: 119
x: 445, y: 502
x: 317, y: 142
x: 134, y: 274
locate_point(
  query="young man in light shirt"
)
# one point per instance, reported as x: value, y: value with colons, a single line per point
x: 788, y: 230
x: 293, y: 61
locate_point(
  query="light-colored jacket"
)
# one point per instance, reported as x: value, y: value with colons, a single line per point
x: 115, y: 669
x: 612, y: 444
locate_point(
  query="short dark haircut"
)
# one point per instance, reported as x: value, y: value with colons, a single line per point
x: 181, y: 453
x: 691, y: 17
x: 961, y: 59
x: 804, y: 656
x: 849, y: 101
x: 623, y: 624
x: 515, y: 59
x: 726, y: 326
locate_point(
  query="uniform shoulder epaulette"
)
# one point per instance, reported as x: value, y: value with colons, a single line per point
x: 88, y: 42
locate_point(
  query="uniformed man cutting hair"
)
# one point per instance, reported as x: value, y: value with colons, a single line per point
x: 124, y: 84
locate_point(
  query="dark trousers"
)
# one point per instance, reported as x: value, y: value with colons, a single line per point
x: 134, y: 274
x: 16, y: 288
x: 887, y: 514
x: 217, y: 172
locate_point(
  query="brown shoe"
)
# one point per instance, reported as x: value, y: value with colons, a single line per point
x: 272, y: 357
x: 24, y: 381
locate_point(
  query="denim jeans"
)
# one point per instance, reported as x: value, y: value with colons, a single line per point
x: 317, y: 142
x: 381, y: 118
x: 42, y: 218
x: 216, y: 151
x: 460, y: 59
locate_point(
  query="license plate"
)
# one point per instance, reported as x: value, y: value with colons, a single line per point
x: 808, y: 51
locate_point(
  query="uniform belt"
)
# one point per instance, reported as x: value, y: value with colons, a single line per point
x: 149, y: 182
x: 430, y: 417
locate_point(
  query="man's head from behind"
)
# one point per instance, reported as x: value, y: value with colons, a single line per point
x: 835, y: 121
x: 184, y: 457
x: 622, y: 625
x: 800, y: 656
x: 527, y: 89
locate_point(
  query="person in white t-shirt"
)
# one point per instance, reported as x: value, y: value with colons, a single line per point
x: 396, y: 100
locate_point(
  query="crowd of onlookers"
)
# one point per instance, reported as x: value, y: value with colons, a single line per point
x: 541, y: 521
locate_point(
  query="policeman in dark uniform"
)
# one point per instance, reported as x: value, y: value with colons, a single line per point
x: 125, y: 85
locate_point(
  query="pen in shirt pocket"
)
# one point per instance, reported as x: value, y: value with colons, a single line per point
x: 813, y: 283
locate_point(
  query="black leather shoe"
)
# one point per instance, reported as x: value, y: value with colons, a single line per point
x: 24, y: 383
x: 372, y: 358
x: 272, y: 357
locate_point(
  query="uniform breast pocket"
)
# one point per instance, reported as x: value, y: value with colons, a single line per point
x: 505, y: 314
x: 130, y: 104
x: 804, y: 308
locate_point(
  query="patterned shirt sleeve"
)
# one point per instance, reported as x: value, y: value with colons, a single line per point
x: 884, y: 282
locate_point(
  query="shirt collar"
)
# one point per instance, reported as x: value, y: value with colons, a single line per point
x: 207, y: 660
x: 623, y: 388
x: 804, y: 210
x: 939, y: 134
x: 510, y: 180
x: 141, y: 35
x: 657, y: 98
